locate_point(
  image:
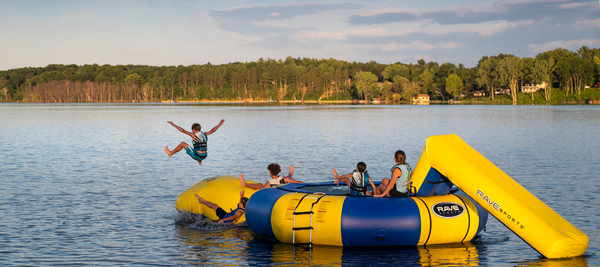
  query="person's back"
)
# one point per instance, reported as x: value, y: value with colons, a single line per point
x: 199, y: 142
x: 358, y: 187
x: 356, y: 181
x: 403, y: 181
x: 277, y: 181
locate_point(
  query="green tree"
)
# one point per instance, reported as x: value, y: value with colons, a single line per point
x: 409, y: 89
x: 398, y: 82
x: 454, y: 85
x: 487, y: 75
x: 510, y: 72
x: 364, y: 81
x: 574, y: 72
x: 392, y: 71
x: 426, y: 82
x: 539, y: 71
x: 386, y: 90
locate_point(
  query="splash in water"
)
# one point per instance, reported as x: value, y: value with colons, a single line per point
x: 199, y: 221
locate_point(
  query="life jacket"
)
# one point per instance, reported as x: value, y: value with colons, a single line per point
x: 276, y: 181
x: 403, y: 181
x: 358, y: 187
x: 199, y: 141
x: 233, y: 212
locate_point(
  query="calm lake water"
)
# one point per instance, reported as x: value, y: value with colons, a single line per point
x: 90, y: 185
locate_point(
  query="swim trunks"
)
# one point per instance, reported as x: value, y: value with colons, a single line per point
x: 195, y: 155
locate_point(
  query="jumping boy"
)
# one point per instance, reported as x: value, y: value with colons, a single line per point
x: 234, y: 215
x: 199, y: 140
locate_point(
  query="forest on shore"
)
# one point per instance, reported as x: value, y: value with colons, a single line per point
x: 567, y: 76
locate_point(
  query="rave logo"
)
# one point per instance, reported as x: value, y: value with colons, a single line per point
x: 448, y: 210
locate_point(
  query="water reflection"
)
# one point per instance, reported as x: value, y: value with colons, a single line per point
x: 213, y: 244
x: 206, y: 243
x: 580, y: 261
x: 447, y: 255
x: 218, y: 245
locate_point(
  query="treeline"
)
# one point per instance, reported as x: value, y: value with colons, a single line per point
x: 300, y: 79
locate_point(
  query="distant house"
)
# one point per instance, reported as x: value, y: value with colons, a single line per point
x: 476, y: 94
x: 531, y: 88
x: 501, y: 91
x: 421, y: 98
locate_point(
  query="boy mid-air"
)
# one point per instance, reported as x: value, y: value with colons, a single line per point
x: 199, y: 140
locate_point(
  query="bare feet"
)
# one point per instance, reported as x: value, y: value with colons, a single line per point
x: 199, y: 198
x: 242, y: 181
x: 335, y: 174
x: 169, y: 153
x: 242, y: 194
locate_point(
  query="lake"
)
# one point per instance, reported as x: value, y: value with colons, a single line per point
x: 91, y: 185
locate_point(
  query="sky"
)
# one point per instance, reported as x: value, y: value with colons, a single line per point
x: 189, y: 32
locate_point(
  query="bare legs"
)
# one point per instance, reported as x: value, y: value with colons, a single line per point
x: 335, y: 175
x: 345, y: 180
x: 383, y: 186
x: 256, y: 186
x: 208, y: 204
x: 291, y: 171
x: 181, y: 146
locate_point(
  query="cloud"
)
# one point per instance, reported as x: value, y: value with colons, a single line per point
x: 364, y: 32
x: 247, y: 20
x: 500, y: 10
x: 570, y: 44
x: 587, y: 23
x: 501, y: 26
x: 379, y: 32
x: 418, y: 45
x: 383, y: 16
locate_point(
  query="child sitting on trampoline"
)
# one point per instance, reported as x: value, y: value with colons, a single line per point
x: 232, y: 216
x: 356, y: 180
x: 276, y: 179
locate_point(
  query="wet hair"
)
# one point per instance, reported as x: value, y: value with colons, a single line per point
x: 274, y: 168
x: 361, y: 167
x: 400, y: 157
x: 244, y: 201
x: 196, y: 126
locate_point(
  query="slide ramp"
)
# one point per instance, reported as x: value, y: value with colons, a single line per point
x: 447, y: 160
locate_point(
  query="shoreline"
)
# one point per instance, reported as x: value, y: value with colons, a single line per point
x: 329, y: 102
x: 435, y: 102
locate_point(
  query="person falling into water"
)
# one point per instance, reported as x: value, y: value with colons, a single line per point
x: 232, y: 216
x: 199, y: 140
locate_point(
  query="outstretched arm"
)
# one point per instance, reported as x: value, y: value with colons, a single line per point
x: 290, y: 180
x: 214, y: 129
x: 237, y: 215
x: 180, y: 129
